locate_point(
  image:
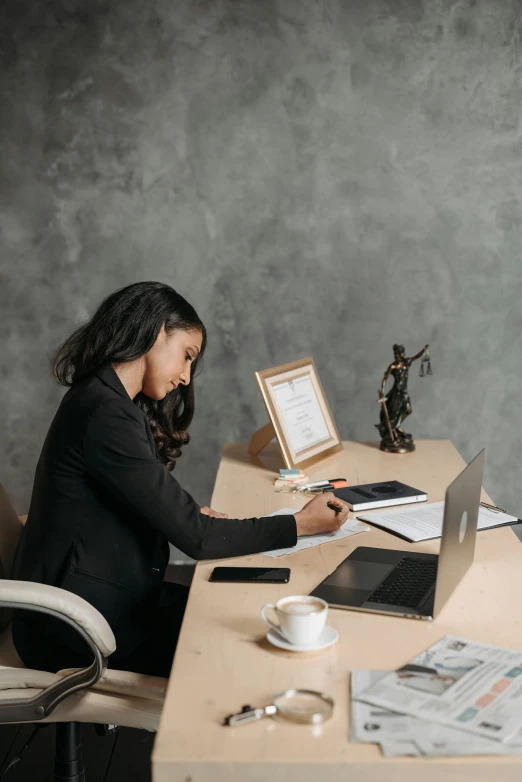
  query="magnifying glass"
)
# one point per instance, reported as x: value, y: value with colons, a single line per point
x: 305, y: 706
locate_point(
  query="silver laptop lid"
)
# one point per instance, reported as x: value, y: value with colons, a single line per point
x: 459, y: 530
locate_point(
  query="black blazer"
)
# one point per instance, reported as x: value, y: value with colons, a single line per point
x: 102, y: 510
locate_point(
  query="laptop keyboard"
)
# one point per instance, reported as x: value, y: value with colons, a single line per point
x: 407, y: 583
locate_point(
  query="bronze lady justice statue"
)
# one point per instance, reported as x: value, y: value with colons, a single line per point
x: 396, y: 405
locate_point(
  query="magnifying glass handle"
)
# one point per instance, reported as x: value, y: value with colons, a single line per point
x: 249, y: 714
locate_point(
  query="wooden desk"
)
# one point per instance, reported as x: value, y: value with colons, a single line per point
x: 224, y: 661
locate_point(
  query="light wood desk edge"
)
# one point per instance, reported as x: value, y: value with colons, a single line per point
x: 222, y: 661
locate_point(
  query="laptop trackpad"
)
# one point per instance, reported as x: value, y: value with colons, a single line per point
x: 352, y: 582
x: 358, y: 575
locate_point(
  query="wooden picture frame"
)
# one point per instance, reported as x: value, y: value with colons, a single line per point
x: 300, y: 416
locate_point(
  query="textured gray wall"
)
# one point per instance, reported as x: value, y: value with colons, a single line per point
x: 316, y: 177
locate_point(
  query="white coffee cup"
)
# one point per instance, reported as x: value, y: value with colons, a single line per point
x: 301, y: 618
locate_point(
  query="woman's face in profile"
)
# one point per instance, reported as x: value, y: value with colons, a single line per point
x: 168, y: 363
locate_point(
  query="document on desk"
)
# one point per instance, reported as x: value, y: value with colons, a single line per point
x: 401, y: 734
x: 375, y: 725
x: 349, y: 527
x: 425, y: 522
x: 461, y: 684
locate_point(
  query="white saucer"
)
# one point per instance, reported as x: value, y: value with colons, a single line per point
x: 327, y: 638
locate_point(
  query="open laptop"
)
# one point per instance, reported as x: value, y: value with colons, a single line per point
x: 408, y: 583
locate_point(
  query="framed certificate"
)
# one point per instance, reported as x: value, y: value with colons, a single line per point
x: 300, y: 417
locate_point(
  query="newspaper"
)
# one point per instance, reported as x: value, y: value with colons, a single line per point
x: 438, y: 748
x: 349, y: 527
x: 373, y: 724
x: 393, y: 749
x: 468, y: 686
x: 401, y: 734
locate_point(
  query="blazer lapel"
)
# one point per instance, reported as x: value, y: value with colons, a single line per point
x: 111, y: 379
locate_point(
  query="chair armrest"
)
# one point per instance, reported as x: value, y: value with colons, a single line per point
x: 31, y: 595
x: 88, y: 623
x: 126, y: 683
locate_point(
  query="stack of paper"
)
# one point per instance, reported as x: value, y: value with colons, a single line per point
x: 425, y: 522
x: 309, y: 541
x: 457, y: 698
x: 290, y: 478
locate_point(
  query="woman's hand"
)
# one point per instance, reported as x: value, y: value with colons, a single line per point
x: 209, y: 512
x: 317, y: 517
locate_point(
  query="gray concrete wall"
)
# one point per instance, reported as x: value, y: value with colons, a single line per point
x: 318, y: 177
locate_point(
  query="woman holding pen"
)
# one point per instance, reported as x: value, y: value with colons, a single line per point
x: 105, y: 503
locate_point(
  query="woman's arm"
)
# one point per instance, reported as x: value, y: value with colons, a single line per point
x: 118, y: 455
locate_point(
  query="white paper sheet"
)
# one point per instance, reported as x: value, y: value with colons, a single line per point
x: 394, y: 749
x: 439, y: 747
x: 425, y: 522
x: 349, y: 527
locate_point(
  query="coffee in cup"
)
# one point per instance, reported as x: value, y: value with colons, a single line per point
x: 298, y: 605
x: 301, y: 618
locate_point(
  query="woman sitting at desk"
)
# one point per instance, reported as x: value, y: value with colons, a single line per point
x: 104, y: 501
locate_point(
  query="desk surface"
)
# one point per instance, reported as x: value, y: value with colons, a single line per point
x: 224, y: 661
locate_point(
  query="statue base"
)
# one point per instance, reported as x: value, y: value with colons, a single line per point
x: 403, y: 443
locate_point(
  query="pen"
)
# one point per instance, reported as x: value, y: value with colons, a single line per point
x: 492, y: 508
x: 317, y: 484
x: 336, y: 508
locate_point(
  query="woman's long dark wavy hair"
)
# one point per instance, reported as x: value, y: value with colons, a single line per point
x: 124, y: 327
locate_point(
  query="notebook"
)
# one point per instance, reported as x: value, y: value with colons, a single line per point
x: 379, y: 495
x: 425, y: 522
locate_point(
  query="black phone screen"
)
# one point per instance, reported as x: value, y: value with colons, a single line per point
x: 258, y: 575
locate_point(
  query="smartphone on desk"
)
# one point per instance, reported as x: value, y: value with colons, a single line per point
x: 251, y: 575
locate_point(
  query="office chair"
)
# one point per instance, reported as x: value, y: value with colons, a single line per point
x: 94, y: 694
